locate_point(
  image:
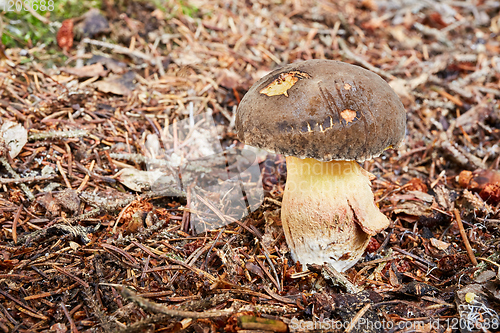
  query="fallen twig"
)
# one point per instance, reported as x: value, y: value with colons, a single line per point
x: 158, y: 308
x: 35, y: 136
x: 120, y: 49
x: 357, y: 317
x: 26, y: 179
x: 464, y: 237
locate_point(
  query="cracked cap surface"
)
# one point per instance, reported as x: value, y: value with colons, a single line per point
x: 322, y: 109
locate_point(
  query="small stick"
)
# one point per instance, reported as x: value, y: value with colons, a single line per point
x: 441, y: 175
x: 70, y: 158
x: 464, y: 237
x: 278, y: 297
x: 120, y: 49
x: 266, y: 271
x: 357, y: 317
x: 339, y: 279
x: 68, y: 274
x: 26, y: 179
x: 27, y: 309
x: 489, y: 261
x: 68, y: 316
x: 86, y: 179
x: 450, y: 97
x: 63, y: 174
x: 411, y: 255
x: 14, y: 224
x: 160, y: 308
x: 266, y: 253
x: 35, y: 136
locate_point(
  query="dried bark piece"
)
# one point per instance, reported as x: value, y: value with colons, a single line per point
x: 47, y: 201
x: 68, y: 199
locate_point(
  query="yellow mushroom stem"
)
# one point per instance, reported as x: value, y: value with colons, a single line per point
x: 328, y: 212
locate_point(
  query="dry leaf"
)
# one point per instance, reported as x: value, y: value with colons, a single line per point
x: 113, y: 65
x: 138, y: 180
x: 438, y: 244
x: 15, y: 137
x: 74, y: 245
x: 121, y: 85
x: 414, y: 208
x: 87, y: 71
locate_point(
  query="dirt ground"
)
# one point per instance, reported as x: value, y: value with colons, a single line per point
x: 93, y: 241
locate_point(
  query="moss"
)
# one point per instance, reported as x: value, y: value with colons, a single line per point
x: 23, y: 29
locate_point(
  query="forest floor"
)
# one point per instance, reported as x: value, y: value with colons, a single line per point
x: 96, y: 235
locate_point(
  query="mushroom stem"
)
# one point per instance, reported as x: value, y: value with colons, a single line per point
x: 328, y: 212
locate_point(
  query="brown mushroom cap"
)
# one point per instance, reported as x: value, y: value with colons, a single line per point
x: 322, y: 109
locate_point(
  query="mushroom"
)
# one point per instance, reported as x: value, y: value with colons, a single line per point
x: 325, y: 116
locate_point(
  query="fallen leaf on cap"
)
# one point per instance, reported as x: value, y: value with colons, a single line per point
x: 283, y: 83
x: 15, y: 137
